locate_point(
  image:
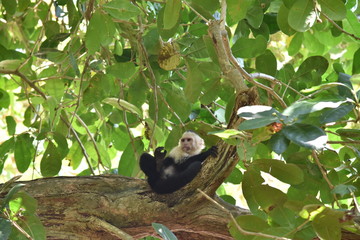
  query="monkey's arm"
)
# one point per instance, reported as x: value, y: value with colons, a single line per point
x: 198, y: 158
x: 148, y: 165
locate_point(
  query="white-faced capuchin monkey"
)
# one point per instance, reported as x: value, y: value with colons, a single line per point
x: 168, y: 174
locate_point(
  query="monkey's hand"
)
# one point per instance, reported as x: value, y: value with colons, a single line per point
x: 213, y: 151
x: 160, y: 153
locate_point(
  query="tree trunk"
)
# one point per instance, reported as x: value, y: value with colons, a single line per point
x: 115, y: 207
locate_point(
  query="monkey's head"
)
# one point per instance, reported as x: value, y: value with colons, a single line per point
x: 191, y: 143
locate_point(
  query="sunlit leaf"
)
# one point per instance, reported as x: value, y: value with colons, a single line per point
x: 327, y: 226
x: 334, y: 9
x: 164, y: 232
x: 302, y: 15
x: 123, y: 105
x: 121, y: 9
x: 286, y: 172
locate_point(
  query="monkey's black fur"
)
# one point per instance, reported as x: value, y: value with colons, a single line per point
x: 182, y: 174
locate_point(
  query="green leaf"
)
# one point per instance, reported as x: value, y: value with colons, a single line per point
x: 178, y: 102
x: 75, y: 155
x: 346, y: 133
x: 282, y: 20
x: 335, y: 114
x: 11, y: 125
x: 310, y: 106
x: 329, y: 159
x: 227, y: 133
x: 314, y: 64
x: 10, y: 6
x: 268, y: 197
x: 266, y: 63
x: 166, y: 33
x: 171, y: 13
x: 334, y: 9
x: 351, y: 24
x: 327, y: 226
x: 5, y: 228
x: 32, y: 225
x: 356, y: 62
x: 295, y: 43
x: 22, y: 201
x: 257, y: 116
x: 24, y: 151
x: 302, y: 15
x: 124, y: 70
x: 123, y: 105
x: 193, y: 81
x: 285, y: 172
x: 248, y: 223
x: 306, y: 135
x: 4, y: 99
x: 5, y: 148
x: 249, y: 48
x: 343, y: 189
x: 164, y: 232
x: 99, y: 88
x: 235, y: 177
x: 236, y: 10
x: 55, y: 88
x: 279, y: 143
x: 345, y: 90
x: 121, y: 9
x: 100, y: 32
x: 10, y: 194
x: 128, y: 162
x: 51, y: 161
x: 255, y: 16
x: 251, y: 180
x: 52, y: 28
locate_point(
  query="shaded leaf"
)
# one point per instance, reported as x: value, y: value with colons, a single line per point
x: 306, y: 135
x: 51, y: 161
x: 171, y: 13
x: 24, y: 151
x: 249, y: 48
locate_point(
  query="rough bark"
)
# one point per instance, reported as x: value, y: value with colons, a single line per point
x: 113, y: 207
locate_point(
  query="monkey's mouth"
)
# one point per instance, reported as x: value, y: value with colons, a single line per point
x: 186, y: 148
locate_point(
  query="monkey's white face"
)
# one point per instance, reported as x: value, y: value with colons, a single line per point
x: 187, y: 144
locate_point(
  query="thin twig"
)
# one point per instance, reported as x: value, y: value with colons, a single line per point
x: 324, y: 174
x: 246, y: 75
x: 196, y: 12
x: 79, y: 142
x: 274, y: 80
x: 92, y: 139
x: 340, y: 28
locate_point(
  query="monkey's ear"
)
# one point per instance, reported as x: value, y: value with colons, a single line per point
x: 200, y: 143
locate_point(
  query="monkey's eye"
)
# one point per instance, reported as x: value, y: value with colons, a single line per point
x: 186, y: 140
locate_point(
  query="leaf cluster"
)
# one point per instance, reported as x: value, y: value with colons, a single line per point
x: 87, y: 86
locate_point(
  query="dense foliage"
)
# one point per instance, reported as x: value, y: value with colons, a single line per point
x: 84, y: 80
